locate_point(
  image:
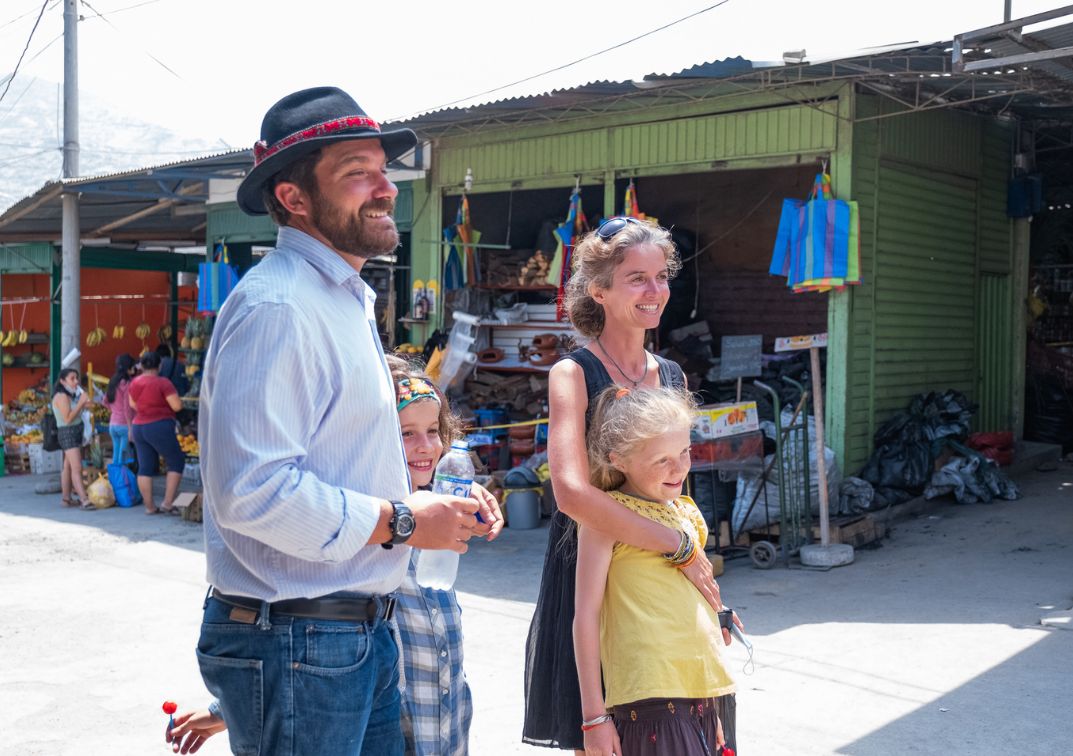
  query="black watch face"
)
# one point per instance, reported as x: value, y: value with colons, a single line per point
x: 404, y: 524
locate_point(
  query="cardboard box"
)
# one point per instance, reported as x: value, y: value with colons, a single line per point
x: 43, y: 462
x: 189, y: 506
x: 722, y: 420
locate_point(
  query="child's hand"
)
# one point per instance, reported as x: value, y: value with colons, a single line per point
x: 489, y: 511
x: 196, y: 727
x: 736, y: 621
x: 602, y: 740
x: 700, y: 575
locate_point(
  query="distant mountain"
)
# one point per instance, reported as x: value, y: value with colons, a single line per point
x: 31, y: 135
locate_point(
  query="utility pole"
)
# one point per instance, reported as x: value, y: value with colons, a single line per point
x: 71, y: 271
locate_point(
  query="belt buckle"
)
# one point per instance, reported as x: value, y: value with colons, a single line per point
x: 389, y: 603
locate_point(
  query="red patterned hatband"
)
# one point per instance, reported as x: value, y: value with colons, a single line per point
x: 262, y: 151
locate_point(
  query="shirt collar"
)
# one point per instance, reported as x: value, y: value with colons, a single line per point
x: 328, y: 262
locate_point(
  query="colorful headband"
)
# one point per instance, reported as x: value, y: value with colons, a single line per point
x: 415, y: 389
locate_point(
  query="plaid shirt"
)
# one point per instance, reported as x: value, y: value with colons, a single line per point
x: 436, y: 704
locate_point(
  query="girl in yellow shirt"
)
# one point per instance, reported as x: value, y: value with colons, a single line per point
x: 638, y: 619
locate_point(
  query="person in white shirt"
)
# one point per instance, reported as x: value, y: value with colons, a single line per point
x: 308, y: 511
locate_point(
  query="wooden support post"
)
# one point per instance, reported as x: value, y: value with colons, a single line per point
x: 821, y: 462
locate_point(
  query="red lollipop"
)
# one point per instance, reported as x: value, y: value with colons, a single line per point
x: 170, y: 707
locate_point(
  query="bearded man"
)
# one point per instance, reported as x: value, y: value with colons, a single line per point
x: 302, y: 459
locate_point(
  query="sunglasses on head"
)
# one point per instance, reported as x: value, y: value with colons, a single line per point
x: 612, y: 226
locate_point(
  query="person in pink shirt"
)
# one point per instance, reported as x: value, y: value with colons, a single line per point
x: 116, y: 399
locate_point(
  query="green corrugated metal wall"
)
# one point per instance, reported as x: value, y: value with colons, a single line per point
x: 934, y: 311
x: 507, y: 156
x: 924, y: 293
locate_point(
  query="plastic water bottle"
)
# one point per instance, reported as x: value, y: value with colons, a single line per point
x: 454, y: 476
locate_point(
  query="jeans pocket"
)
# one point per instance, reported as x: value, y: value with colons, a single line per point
x: 335, y: 649
x: 239, y: 685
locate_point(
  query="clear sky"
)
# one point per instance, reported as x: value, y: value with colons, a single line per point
x: 230, y: 59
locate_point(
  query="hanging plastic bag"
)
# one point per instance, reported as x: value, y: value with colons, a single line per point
x: 215, y: 280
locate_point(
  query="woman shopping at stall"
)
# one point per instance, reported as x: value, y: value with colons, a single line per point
x: 618, y: 290
x: 116, y: 399
x: 68, y: 402
x: 155, y: 402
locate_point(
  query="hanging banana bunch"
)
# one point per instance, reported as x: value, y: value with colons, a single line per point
x: 97, y: 336
x: 144, y: 329
x: 24, y: 335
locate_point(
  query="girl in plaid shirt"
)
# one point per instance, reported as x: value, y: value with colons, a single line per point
x: 437, y: 707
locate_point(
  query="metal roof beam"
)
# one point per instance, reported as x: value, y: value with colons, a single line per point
x: 1013, y: 60
x: 1017, y: 24
x: 162, y: 204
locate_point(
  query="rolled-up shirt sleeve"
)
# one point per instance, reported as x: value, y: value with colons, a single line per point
x: 268, y: 395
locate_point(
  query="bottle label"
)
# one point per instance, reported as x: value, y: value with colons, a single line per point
x: 451, y: 486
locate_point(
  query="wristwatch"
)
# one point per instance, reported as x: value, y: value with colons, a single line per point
x: 402, y: 524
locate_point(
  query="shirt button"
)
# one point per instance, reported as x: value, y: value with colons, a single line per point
x: 443, y: 653
x: 435, y: 611
x: 445, y: 691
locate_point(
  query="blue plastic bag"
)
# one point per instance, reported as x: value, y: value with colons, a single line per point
x: 124, y: 485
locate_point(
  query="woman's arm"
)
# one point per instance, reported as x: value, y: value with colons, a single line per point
x: 569, y: 464
x: 69, y: 412
x: 593, y: 561
x: 174, y: 402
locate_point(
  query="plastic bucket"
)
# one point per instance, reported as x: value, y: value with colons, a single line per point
x: 523, y: 507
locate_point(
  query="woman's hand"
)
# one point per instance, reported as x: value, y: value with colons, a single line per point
x: 700, y: 575
x: 192, y: 729
x: 602, y: 740
x: 489, y: 511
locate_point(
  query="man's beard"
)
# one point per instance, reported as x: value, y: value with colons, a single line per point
x: 349, y: 233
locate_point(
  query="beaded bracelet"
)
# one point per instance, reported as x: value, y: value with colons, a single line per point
x: 692, y: 558
x: 687, y: 557
x: 591, y: 724
x: 681, y: 553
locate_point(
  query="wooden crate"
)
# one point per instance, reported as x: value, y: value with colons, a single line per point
x: 856, y: 530
x: 16, y: 464
x: 189, y: 506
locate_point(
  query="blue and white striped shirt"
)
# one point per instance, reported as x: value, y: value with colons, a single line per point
x: 299, y: 433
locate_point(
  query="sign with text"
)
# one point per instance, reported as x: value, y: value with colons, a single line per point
x: 740, y: 357
x: 794, y: 343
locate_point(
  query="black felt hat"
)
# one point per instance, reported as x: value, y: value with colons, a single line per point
x: 303, y: 122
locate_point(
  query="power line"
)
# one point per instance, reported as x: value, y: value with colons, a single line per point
x: 108, y: 21
x: 565, y: 65
x: 24, y: 15
x: 24, y: 49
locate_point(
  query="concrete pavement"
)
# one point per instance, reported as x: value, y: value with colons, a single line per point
x: 929, y: 644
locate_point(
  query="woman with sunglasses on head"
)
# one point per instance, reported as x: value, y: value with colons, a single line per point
x: 618, y: 290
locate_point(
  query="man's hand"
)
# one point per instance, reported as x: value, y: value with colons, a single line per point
x: 490, y: 511
x: 443, y: 522
x: 192, y: 729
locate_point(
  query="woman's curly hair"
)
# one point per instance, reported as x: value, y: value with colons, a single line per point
x: 593, y: 263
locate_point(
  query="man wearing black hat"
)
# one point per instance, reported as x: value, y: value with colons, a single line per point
x: 306, y: 484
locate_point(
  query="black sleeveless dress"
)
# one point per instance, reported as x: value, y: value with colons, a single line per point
x: 552, y: 693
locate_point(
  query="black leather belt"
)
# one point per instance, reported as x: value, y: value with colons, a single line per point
x: 326, y: 608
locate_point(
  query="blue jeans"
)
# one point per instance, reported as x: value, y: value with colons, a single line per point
x: 290, y: 686
x: 119, y: 443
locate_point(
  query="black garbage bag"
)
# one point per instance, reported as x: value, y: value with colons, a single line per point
x: 907, y: 445
x: 906, y: 465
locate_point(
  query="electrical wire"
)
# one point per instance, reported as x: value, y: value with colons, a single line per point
x: 108, y: 21
x: 24, y: 49
x: 563, y: 66
x: 24, y: 15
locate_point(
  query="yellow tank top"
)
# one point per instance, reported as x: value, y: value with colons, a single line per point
x: 659, y: 638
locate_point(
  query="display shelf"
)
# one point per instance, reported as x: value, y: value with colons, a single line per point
x: 549, y: 325
x: 186, y: 350
x: 515, y: 287
x: 513, y: 365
